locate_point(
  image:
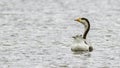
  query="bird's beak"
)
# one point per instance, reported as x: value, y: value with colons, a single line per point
x: 78, y: 19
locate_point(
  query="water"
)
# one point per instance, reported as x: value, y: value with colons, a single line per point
x: 38, y: 33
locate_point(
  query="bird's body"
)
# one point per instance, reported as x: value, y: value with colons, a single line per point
x: 80, y: 43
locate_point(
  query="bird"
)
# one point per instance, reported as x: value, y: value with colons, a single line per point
x: 80, y: 43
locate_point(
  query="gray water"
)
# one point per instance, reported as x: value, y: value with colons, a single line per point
x: 38, y: 33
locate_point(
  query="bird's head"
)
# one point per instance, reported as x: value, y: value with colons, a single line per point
x: 82, y: 20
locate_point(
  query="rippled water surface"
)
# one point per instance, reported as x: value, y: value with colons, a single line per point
x: 38, y: 33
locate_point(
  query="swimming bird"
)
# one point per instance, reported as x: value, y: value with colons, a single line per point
x: 80, y: 43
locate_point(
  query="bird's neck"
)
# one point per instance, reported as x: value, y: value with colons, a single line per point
x: 87, y: 28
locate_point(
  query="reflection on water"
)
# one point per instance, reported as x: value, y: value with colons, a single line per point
x: 82, y: 53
